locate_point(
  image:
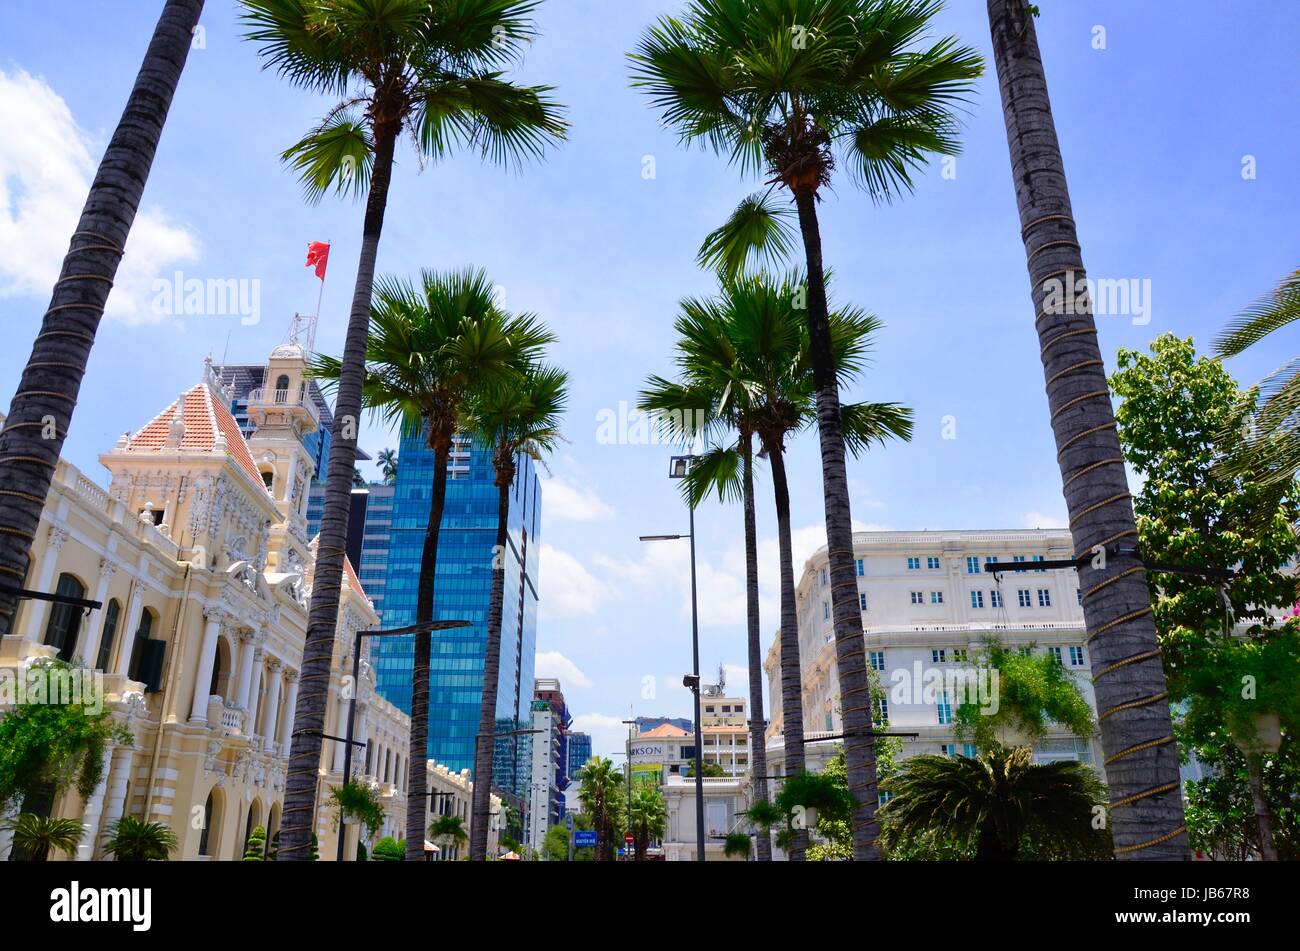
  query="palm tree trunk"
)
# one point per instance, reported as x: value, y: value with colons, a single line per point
x: 1132, y: 699
x: 757, y: 747
x: 484, y: 743
x: 850, y: 648
x: 1263, y: 823
x: 327, y: 575
x: 791, y: 675
x: 417, y: 800
x: 41, y: 411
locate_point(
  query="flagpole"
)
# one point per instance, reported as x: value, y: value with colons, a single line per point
x: 311, y: 338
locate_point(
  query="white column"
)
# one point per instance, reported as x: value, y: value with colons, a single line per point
x: 207, y: 661
x: 94, y: 811
x: 95, y: 623
x: 123, y: 758
x: 126, y: 637
x: 291, y: 705
x: 248, y: 646
x: 45, y: 582
x: 272, y: 702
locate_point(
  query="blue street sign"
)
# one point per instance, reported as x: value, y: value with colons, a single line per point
x: 584, y: 838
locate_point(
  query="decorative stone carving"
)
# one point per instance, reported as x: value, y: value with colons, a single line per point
x: 58, y: 538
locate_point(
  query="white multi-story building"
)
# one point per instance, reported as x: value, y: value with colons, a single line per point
x: 928, y: 603
x: 543, y: 789
x: 725, y: 732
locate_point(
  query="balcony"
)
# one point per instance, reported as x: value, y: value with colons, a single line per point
x: 265, y: 399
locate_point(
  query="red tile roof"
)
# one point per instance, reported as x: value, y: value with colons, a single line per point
x: 663, y: 730
x: 353, y: 581
x: 204, y: 414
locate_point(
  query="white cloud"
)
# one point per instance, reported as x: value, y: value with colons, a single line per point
x: 608, y: 734
x: 46, y: 167
x: 563, y: 501
x: 570, y: 589
x: 554, y: 664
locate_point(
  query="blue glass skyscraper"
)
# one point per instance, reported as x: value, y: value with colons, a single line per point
x: 463, y: 590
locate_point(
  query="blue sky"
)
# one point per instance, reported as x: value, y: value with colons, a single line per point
x: 1154, y: 129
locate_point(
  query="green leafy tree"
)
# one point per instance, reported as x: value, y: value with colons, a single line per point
x: 432, y: 343
x: 255, y: 848
x: 48, y: 747
x: 791, y: 88
x: 996, y: 802
x: 738, y: 845
x: 134, y: 840
x: 1228, y: 658
x: 433, y: 70
x: 389, y: 849
x: 511, y: 417
x: 1033, y: 691
x: 35, y: 837
x: 51, y: 380
x: 555, y: 846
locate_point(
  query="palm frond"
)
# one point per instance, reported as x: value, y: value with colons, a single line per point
x: 758, y: 229
x: 335, y: 156
x: 1277, y: 310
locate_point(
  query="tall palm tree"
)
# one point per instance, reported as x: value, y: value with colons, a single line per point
x: 36, y: 836
x: 429, y: 344
x: 747, y: 353
x: 432, y: 69
x: 647, y: 819
x: 511, y: 417
x: 42, y: 407
x: 448, y: 832
x: 1132, y: 698
x: 134, y: 840
x: 387, y: 460
x: 600, y: 792
x: 996, y: 800
x: 791, y: 87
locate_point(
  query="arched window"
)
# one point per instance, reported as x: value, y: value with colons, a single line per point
x: 217, y: 685
x: 65, y: 619
x: 112, y: 615
x: 210, y: 816
x: 281, y: 384
x: 268, y: 478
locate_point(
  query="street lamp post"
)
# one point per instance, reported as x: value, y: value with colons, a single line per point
x: 356, y: 679
x: 678, y: 468
x: 630, y: 723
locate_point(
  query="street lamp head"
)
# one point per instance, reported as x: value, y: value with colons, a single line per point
x: 679, y: 466
x: 691, y: 682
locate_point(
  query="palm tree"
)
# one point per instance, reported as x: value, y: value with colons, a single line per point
x: 429, y: 344
x: 996, y: 800
x: 600, y: 792
x: 448, y: 832
x: 388, y: 465
x: 433, y: 70
x: 1271, y: 454
x: 134, y: 840
x: 511, y: 417
x: 647, y: 819
x: 782, y: 86
x: 36, y: 836
x: 42, y: 407
x: 1136, y: 733
x: 751, y: 345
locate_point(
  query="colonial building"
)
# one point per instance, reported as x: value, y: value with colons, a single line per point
x: 724, y: 799
x: 199, y: 555
x: 927, y: 603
